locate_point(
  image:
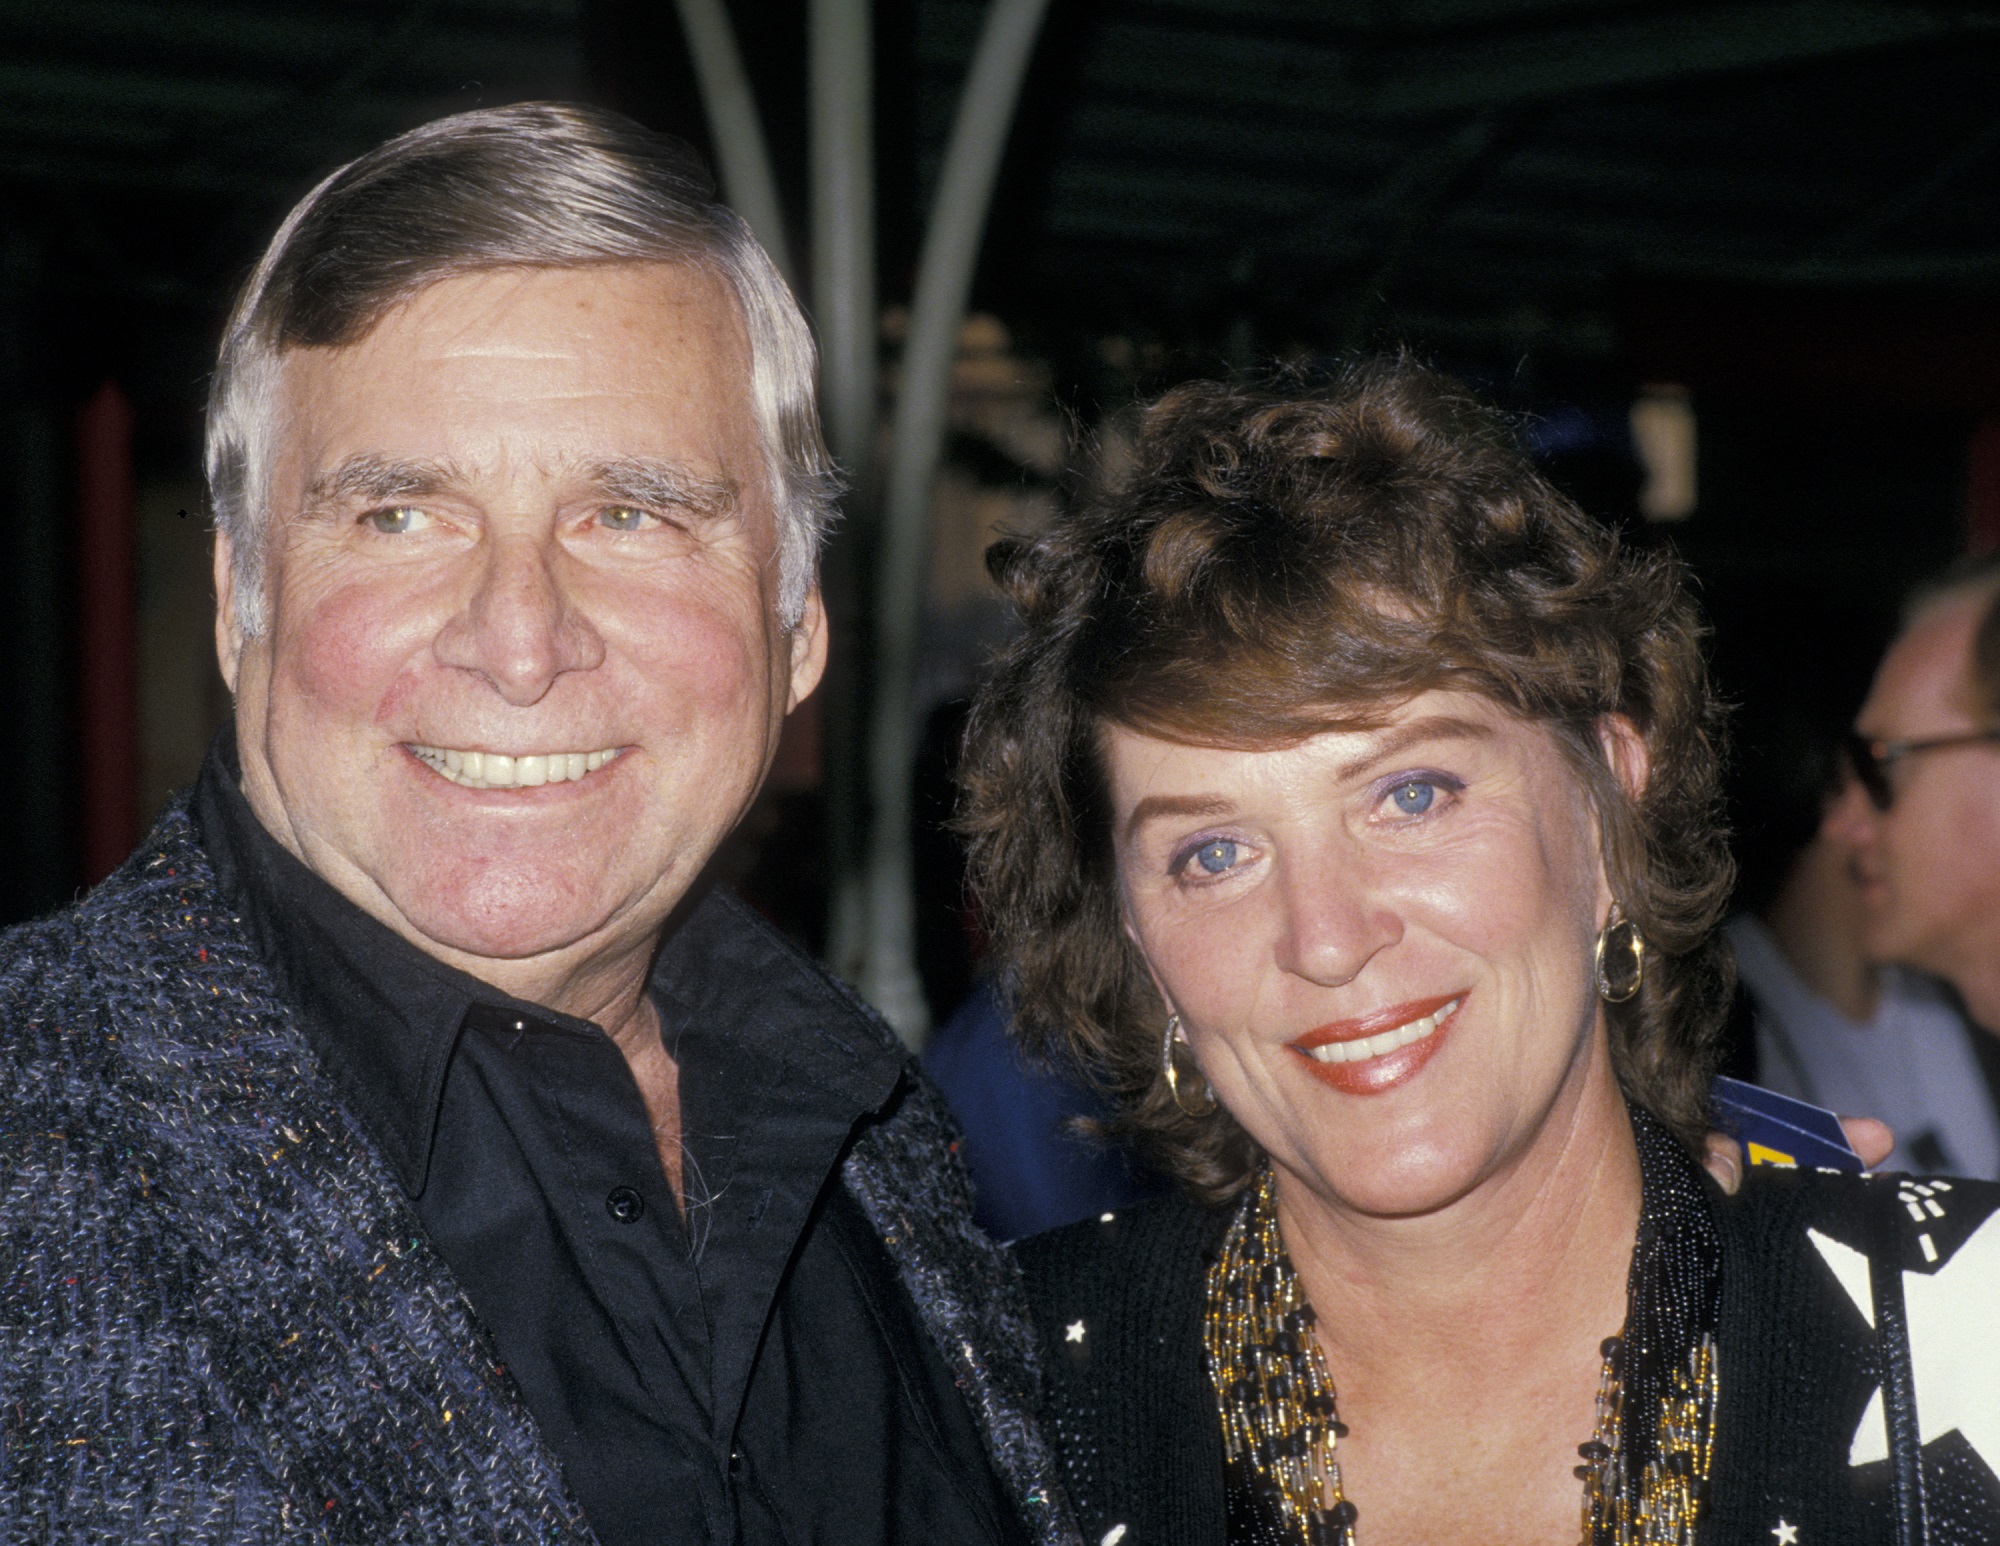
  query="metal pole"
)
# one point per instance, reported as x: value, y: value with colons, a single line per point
x: 944, y: 284
x: 741, y: 157
x: 843, y: 218
x: 842, y: 87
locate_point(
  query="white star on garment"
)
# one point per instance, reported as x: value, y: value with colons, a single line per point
x: 1073, y: 1332
x: 1954, y: 1346
x: 1788, y: 1535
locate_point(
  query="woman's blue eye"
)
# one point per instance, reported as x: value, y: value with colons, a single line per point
x: 1217, y: 856
x: 1414, y: 797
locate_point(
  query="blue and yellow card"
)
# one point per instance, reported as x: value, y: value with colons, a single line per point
x: 1774, y: 1129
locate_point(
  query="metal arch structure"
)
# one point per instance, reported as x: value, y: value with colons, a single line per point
x: 742, y: 157
x: 944, y: 284
x: 840, y: 79
x: 873, y: 929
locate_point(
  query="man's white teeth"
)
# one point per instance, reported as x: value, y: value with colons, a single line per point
x: 497, y: 770
x: 1385, y: 1041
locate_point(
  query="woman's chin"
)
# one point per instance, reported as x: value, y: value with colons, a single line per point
x: 1414, y: 1179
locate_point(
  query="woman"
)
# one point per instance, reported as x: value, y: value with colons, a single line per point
x: 1347, y: 811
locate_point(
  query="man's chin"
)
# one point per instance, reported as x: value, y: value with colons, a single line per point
x: 508, y: 928
x: 1884, y: 943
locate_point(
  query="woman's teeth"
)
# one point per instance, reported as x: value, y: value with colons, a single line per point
x: 497, y: 770
x: 1385, y: 1041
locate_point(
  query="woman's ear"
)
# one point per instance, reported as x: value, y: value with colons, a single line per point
x: 1625, y: 749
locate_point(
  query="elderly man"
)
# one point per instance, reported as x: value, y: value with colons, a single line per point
x: 1923, y: 812
x: 405, y: 1145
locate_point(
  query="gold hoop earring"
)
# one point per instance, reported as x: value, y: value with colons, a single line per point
x: 1207, y: 1102
x: 1621, y: 958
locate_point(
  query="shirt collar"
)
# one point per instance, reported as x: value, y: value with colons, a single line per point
x: 385, y: 1017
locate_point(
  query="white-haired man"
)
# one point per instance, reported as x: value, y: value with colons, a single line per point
x: 1925, y: 805
x: 405, y: 1145
x: 1923, y: 811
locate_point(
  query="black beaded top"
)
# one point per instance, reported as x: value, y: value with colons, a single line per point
x: 1645, y: 1468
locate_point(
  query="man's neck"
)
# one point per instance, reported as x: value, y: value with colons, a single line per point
x: 1978, y: 985
x: 1817, y: 918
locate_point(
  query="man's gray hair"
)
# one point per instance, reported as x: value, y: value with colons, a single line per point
x: 536, y: 185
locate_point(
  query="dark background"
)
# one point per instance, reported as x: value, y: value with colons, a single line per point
x: 1784, y: 206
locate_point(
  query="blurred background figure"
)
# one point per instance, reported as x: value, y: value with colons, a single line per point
x: 1921, y: 813
x: 1033, y: 1166
x: 1033, y: 1162
x: 1817, y: 1017
x: 1833, y: 1028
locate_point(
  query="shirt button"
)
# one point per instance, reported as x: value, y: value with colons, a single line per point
x: 624, y: 1204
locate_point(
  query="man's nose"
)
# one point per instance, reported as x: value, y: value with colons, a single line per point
x: 1333, y: 923
x: 1850, y: 818
x: 520, y: 628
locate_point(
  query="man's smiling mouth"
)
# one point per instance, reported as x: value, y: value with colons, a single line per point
x: 500, y: 770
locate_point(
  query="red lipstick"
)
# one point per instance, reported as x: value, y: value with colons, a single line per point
x: 1372, y: 1075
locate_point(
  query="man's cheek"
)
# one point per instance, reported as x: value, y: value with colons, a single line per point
x: 345, y: 653
x: 707, y: 651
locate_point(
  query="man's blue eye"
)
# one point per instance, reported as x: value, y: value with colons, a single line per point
x: 1413, y: 798
x: 398, y: 520
x: 622, y: 518
x: 1217, y: 856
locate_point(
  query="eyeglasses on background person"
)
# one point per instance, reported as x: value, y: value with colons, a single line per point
x: 1871, y: 760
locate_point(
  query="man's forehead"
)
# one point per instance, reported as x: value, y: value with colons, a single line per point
x: 522, y: 370
x: 1927, y: 671
x: 532, y: 315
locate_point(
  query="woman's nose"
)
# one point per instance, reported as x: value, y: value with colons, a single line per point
x: 1333, y: 924
x: 519, y: 628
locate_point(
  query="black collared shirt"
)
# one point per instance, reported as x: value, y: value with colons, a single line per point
x: 750, y: 1372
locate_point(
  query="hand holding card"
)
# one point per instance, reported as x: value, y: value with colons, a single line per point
x: 1774, y: 1129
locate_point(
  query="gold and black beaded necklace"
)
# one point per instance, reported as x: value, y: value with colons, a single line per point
x: 1643, y: 1484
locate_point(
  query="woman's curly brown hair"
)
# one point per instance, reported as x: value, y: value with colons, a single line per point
x: 1282, y: 560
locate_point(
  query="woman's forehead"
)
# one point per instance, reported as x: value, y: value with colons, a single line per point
x: 1348, y: 742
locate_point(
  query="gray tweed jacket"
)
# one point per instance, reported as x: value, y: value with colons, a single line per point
x: 219, y: 1318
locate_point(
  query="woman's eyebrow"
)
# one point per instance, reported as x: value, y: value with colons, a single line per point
x: 1394, y: 741
x: 1154, y: 807
x: 1398, y: 739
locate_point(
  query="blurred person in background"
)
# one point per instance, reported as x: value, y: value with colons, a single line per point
x: 1816, y: 1016
x: 1033, y: 1164
x: 1833, y: 1028
x: 1922, y: 811
x: 1034, y: 1160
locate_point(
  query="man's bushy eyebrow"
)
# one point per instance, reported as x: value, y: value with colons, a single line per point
x: 365, y: 478
x: 654, y: 482
x: 659, y: 483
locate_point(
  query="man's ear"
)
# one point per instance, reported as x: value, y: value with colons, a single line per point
x: 809, y: 644
x: 1625, y: 749
x: 228, y: 636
